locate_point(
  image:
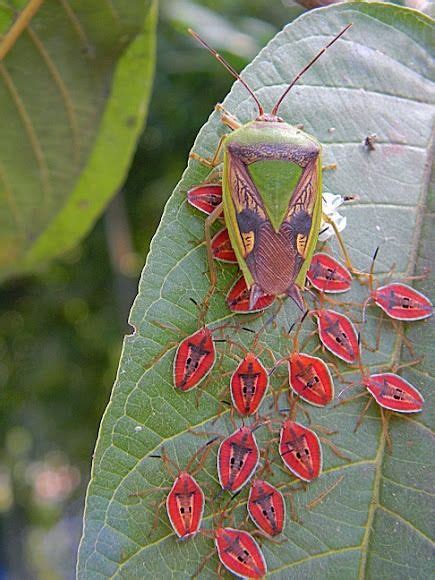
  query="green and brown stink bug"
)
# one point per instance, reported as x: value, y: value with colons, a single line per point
x: 271, y: 195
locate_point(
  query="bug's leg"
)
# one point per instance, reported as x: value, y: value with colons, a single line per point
x: 329, y: 167
x: 209, y: 221
x: 203, y: 564
x: 307, y: 339
x: 385, y: 416
x: 293, y: 513
x: 399, y: 329
x: 290, y: 494
x: 227, y: 118
x: 162, y: 353
x: 362, y: 414
x: 422, y: 276
x: 156, y: 510
x: 315, y: 502
x: 147, y: 492
x: 335, y: 449
x: 342, y: 245
x: 207, y: 381
x: 350, y: 399
x: 223, y: 407
x: 215, y: 160
x: 323, y: 430
x: 380, y: 322
x: 396, y: 367
x: 261, y: 534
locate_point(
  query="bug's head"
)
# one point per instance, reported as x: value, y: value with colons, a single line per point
x: 271, y: 117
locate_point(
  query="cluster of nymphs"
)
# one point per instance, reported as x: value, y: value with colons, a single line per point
x: 299, y: 447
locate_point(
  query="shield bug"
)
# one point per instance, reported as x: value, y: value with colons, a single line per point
x: 240, y: 553
x: 194, y: 359
x: 327, y: 274
x: 266, y: 507
x: 271, y: 195
x: 309, y: 376
x: 238, y: 299
x: 205, y: 197
x: 337, y: 333
x: 399, y: 301
x: 185, y: 505
x: 238, y: 458
x: 185, y: 500
x: 222, y: 248
x: 300, y: 450
x: 391, y: 391
x: 248, y: 385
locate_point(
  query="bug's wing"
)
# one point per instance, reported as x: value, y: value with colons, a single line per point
x: 243, y: 191
x: 301, y: 207
x: 270, y: 257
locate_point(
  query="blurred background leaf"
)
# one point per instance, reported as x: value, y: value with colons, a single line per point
x: 375, y: 79
x: 74, y: 91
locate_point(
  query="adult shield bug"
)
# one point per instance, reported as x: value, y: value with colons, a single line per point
x: 327, y: 274
x: 266, y: 507
x: 272, y: 200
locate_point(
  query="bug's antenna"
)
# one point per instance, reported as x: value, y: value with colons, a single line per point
x: 229, y: 68
x: 304, y: 70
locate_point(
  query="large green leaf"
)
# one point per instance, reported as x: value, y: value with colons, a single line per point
x: 374, y: 524
x: 74, y: 91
